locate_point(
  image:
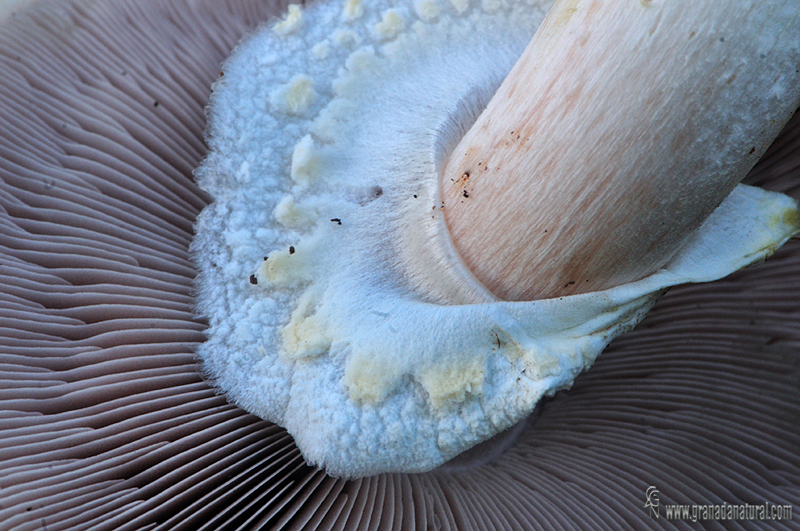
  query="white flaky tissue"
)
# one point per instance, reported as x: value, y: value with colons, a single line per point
x: 337, y: 304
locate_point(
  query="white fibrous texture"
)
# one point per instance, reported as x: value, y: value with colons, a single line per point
x: 336, y: 303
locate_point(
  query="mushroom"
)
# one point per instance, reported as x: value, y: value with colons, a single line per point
x: 105, y: 421
x: 370, y: 340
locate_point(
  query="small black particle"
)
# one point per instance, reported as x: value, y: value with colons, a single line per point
x: 465, y: 193
x: 291, y: 249
x: 253, y: 279
x: 377, y: 191
x: 265, y: 258
x: 571, y: 282
x: 752, y: 150
x: 221, y: 73
x: 155, y: 104
x: 722, y: 39
x: 545, y: 230
x: 415, y: 196
x: 336, y: 220
x: 29, y: 509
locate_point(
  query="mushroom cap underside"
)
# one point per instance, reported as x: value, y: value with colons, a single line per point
x: 105, y: 421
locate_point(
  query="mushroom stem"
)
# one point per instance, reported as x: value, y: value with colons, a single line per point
x: 621, y: 128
